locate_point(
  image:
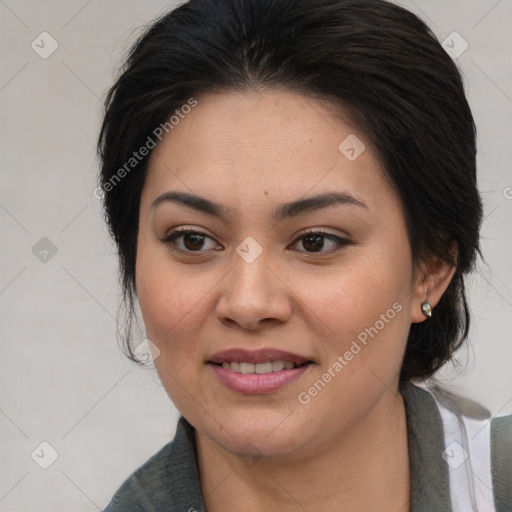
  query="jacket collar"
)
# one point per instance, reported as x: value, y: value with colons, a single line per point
x: 430, y: 486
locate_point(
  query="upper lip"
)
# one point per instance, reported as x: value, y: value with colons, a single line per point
x: 256, y: 356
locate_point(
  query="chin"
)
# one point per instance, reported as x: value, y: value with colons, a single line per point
x: 262, y: 434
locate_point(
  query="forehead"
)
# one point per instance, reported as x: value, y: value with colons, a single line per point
x: 237, y: 146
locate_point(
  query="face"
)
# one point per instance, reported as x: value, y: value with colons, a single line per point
x: 257, y: 279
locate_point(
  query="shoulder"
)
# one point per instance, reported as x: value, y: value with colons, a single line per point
x: 142, y: 483
x: 477, y: 448
x: 168, y: 479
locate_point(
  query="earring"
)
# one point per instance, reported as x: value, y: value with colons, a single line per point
x: 426, y: 307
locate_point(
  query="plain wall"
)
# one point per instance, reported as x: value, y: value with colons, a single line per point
x: 63, y: 378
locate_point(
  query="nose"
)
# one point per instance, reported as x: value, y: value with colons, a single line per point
x: 253, y: 295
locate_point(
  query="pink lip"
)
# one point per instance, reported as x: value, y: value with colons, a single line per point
x: 253, y: 383
x: 256, y: 356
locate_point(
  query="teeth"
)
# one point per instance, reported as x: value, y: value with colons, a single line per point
x: 263, y: 367
x: 259, y: 368
x: 277, y: 366
x: 246, y: 367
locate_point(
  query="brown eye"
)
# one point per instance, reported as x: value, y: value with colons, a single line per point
x: 314, y: 242
x: 192, y: 241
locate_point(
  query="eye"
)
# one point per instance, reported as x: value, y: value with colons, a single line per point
x: 192, y: 240
x: 314, y: 241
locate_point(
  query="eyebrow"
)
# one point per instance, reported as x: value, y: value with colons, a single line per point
x: 282, y: 212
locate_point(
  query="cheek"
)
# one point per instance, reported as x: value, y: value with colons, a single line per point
x: 165, y: 299
x: 175, y: 302
x: 362, y: 346
x: 170, y: 301
x: 365, y: 305
x: 359, y: 293
x: 159, y: 292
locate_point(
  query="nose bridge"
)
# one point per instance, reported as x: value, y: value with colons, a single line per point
x: 251, y: 272
x: 252, y: 292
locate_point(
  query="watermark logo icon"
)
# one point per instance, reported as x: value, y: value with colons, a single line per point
x: 44, y: 455
x: 455, y: 45
x: 352, y: 147
x: 454, y: 455
x: 250, y: 460
x: 44, y: 250
x: 249, y: 250
x: 147, y: 352
x: 44, y: 45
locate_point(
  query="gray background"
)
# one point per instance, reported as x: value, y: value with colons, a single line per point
x: 63, y: 378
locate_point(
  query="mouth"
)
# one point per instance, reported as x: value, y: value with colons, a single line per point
x: 259, y: 371
x: 264, y: 356
x: 247, y: 368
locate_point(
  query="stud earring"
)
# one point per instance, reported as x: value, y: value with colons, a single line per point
x: 426, y: 307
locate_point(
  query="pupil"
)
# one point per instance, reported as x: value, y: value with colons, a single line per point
x: 197, y: 241
x: 317, y: 242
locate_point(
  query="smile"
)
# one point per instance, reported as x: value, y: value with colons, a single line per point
x: 257, y: 378
x: 259, y: 368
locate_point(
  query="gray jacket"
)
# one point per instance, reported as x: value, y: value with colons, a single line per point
x: 460, y: 460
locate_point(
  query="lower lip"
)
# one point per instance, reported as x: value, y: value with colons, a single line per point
x: 254, y: 383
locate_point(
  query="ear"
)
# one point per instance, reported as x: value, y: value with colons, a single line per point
x: 433, y: 278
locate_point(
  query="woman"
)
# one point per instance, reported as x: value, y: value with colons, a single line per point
x: 291, y: 185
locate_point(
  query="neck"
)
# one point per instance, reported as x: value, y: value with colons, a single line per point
x: 366, y: 468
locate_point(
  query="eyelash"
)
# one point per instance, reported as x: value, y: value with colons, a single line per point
x: 169, y: 240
